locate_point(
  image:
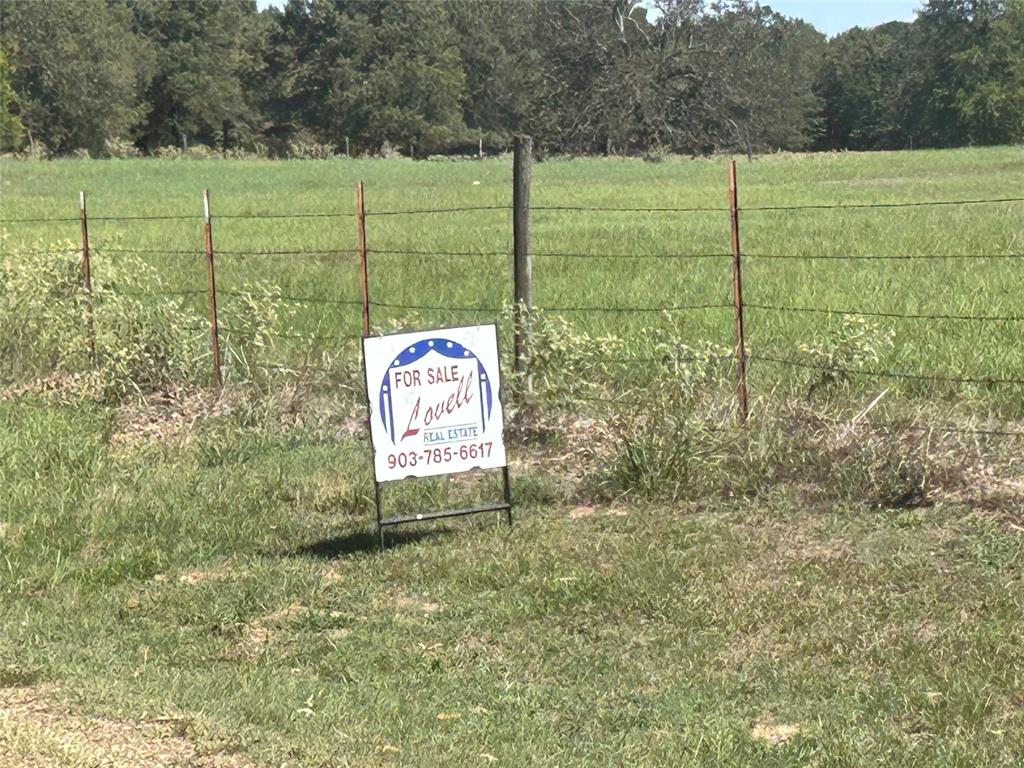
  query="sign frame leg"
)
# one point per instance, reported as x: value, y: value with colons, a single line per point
x: 376, y: 501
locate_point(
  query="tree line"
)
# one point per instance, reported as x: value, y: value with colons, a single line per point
x: 581, y: 76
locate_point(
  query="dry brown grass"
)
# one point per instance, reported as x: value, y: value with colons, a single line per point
x: 38, y: 730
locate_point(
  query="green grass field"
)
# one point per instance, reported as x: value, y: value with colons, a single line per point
x: 223, y: 590
x: 189, y: 578
x: 929, y: 347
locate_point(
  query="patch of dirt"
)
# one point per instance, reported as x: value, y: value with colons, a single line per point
x: 770, y: 731
x: 926, y: 631
x: 38, y: 731
x: 989, y: 490
x: 586, y: 510
x: 799, y: 546
x: 200, y: 575
x: 583, y: 443
x: 980, y: 471
x: 284, y: 615
x: 413, y: 603
x: 767, y: 643
x: 165, y: 416
x: 171, y: 414
x: 255, y: 636
x: 57, y: 383
x: 330, y: 575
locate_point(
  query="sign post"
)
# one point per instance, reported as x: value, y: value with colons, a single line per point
x: 435, y: 409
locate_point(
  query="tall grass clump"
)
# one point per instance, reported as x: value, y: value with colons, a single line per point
x: 143, y: 341
x: 146, y: 338
x: 655, y: 419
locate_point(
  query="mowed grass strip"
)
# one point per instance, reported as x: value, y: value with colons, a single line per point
x: 226, y: 582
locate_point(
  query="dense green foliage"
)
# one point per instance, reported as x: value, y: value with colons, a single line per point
x: 11, y: 129
x: 620, y: 76
x: 73, y: 92
x: 955, y: 76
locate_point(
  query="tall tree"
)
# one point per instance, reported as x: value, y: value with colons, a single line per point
x: 501, y: 64
x: 971, y: 55
x: 11, y: 129
x: 74, y: 90
x: 867, y: 88
x: 757, y: 69
x: 410, y: 77
x: 203, y: 55
x: 383, y: 71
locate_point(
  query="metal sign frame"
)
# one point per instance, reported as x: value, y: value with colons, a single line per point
x: 505, y: 505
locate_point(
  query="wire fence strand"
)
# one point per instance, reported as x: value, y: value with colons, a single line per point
x: 875, y: 313
x: 299, y: 215
x: 40, y: 219
x: 153, y: 292
x: 661, y: 308
x: 397, y: 252
x: 895, y: 204
x: 628, y: 209
x: 885, y: 374
x: 288, y: 298
x: 420, y: 211
x: 569, y: 255
x: 312, y: 338
x: 435, y: 308
x: 882, y: 257
x: 506, y: 207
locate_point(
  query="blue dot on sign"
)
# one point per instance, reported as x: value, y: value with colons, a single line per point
x: 412, y: 350
x: 430, y: 343
x: 450, y: 345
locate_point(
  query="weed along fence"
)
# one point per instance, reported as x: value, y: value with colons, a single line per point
x: 747, y: 312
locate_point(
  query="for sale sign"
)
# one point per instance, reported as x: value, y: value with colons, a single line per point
x: 434, y: 401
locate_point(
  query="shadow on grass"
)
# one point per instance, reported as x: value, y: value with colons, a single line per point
x: 363, y: 542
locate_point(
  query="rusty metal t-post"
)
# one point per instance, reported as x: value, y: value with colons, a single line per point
x: 737, y: 294
x: 522, y: 266
x: 211, y: 289
x: 90, y: 334
x: 364, y: 267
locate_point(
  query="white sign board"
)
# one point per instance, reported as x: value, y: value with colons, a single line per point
x: 434, y: 402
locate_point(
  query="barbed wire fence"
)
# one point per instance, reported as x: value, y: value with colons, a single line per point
x: 522, y: 302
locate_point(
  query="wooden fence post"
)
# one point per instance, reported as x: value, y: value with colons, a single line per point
x: 522, y: 262
x: 90, y: 333
x: 364, y: 267
x: 211, y: 289
x: 737, y: 294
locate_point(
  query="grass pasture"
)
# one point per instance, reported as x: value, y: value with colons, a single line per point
x: 188, y: 578
x: 222, y: 593
x: 975, y: 287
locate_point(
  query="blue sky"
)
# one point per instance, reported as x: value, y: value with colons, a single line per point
x: 830, y: 16
x: 835, y: 16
